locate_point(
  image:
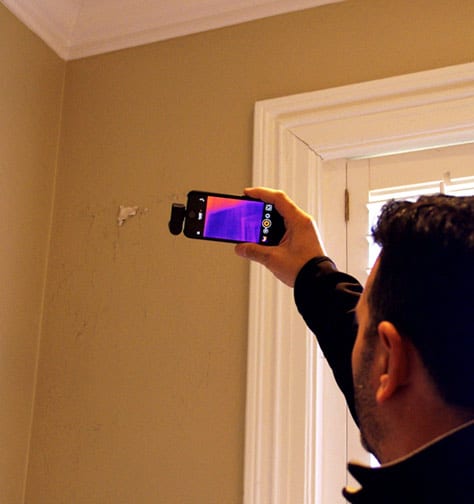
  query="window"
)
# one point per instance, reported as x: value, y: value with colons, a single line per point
x: 376, y: 200
x: 373, y: 181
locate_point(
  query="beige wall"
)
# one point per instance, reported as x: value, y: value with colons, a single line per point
x: 141, y: 380
x: 31, y: 81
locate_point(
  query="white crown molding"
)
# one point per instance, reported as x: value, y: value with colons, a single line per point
x: 53, y: 26
x: 80, y: 28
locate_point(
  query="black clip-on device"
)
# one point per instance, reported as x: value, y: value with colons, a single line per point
x: 178, y: 213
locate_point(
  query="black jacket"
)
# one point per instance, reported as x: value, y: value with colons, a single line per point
x: 440, y: 472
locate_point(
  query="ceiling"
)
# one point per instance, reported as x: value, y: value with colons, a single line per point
x: 79, y: 28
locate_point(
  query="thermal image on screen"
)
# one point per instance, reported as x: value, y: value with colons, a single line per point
x: 235, y: 220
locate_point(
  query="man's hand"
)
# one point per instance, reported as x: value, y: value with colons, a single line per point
x: 300, y: 243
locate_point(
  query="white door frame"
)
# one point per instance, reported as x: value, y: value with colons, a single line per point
x: 295, y: 137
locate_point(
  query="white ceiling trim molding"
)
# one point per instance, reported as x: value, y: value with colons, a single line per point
x: 80, y: 28
x: 54, y: 27
x: 299, y: 141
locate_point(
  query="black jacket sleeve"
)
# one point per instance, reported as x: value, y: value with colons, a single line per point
x: 326, y: 298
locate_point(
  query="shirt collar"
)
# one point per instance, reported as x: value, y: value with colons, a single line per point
x: 418, y: 464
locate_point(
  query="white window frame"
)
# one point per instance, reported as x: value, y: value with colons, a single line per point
x: 294, y: 139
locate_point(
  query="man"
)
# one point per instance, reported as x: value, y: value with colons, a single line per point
x: 402, y: 350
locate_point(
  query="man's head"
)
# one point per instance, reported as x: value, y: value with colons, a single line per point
x: 422, y: 287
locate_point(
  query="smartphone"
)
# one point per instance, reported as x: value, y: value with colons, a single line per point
x: 228, y: 218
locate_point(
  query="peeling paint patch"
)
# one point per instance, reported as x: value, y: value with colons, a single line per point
x: 125, y: 212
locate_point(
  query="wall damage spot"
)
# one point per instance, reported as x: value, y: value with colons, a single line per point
x: 125, y: 212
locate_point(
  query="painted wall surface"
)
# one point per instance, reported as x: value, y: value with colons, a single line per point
x: 141, y: 377
x: 31, y: 81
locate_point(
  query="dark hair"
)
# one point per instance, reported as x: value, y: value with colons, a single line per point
x: 425, y: 286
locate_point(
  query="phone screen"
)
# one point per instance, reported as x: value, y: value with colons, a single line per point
x: 235, y: 220
x: 232, y: 218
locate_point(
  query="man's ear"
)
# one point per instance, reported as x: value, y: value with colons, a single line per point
x: 394, y: 354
